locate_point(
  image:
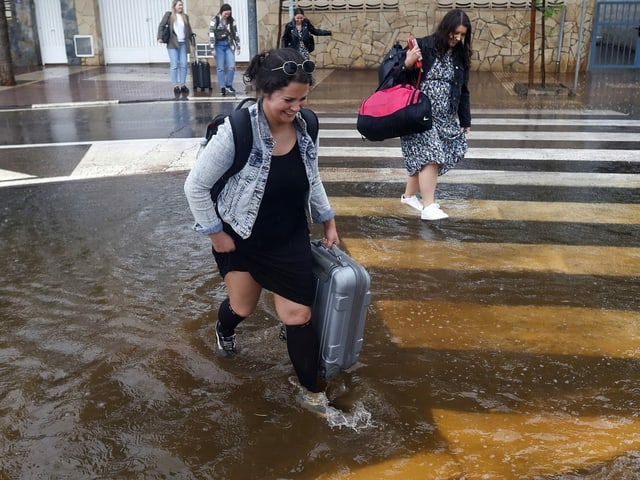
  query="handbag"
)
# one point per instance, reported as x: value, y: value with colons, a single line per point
x: 220, y: 32
x: 166, y: 33
x: 393, y: 112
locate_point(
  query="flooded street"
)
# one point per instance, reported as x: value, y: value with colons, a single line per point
x: 109, y: 368
x: 502, y: 343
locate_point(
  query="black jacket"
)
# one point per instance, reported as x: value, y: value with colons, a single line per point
x: 290, y: 38
x: 459, y: 97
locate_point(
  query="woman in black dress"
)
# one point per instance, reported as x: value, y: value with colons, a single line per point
x: 258, y: 228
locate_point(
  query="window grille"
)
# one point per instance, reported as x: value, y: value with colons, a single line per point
x: 347, y: 5
x: 467, y: 4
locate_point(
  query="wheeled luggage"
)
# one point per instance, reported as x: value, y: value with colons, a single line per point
x: 340, y: 308
x: 200, y: 69
x: 201, y: 73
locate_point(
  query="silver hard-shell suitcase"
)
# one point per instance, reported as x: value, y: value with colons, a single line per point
x: 340, y: 308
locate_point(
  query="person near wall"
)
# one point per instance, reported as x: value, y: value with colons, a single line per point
x: 446, y: 57
x: 225, y: 44
x: 298, y: 34
x: 258, y: 227
x: 178, y: 46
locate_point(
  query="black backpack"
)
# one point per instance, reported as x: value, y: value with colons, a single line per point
x: 390, y: 62
x: 243, y: 138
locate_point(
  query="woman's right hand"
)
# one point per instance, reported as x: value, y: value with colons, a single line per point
x: 413, y: 55
x: 222, y: 242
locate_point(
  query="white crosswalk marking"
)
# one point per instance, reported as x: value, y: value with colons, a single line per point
x: 547, y: 135
x: 130, y: 157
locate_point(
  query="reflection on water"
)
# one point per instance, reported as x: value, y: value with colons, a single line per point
x: 108, y: 367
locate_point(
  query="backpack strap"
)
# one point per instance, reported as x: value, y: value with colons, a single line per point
x: 240, y: 121
x: 311, y: 120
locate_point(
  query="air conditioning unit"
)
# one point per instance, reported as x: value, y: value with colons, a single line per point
x: 83, y: 45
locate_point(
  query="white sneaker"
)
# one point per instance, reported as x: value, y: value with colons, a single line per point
x: 433, y: 212
x: 412, y: 201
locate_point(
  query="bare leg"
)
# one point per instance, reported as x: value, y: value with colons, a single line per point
x: 409, y: 197
x: 428, y: 178
x: 412, y: 186
x: 291, y: 313
x: 244, y: 292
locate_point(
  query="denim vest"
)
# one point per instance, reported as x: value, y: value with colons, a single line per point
x: 239, y: 201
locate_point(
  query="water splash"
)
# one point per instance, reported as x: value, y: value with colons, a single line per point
x: 358, y: 419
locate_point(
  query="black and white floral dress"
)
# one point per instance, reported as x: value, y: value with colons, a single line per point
x: 445, y: 144
x: 302, y: 48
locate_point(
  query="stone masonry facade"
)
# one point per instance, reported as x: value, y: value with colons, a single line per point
x: 500, y: 35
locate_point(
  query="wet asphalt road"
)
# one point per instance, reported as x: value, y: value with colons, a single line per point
x: 500, y: 344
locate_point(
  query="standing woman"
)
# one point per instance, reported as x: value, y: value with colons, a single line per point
x: 446, y: 57
x: 225, y: 43
x: 298, y: 34
x: 258, y: 228
x: 178, y: 45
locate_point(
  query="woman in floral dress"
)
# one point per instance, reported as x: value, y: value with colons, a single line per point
x: 446, y: 56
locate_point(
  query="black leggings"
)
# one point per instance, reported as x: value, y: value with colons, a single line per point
x: 303, y: 346
x: 228, y: 319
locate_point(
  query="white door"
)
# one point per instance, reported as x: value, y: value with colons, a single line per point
x: 51, y: 32
x: 240, y: 12
x: 129, y: 34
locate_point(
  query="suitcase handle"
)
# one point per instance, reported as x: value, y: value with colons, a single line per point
x: 334, y: 250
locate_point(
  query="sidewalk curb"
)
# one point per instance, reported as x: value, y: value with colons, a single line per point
x: 99, y: 103
x: 37, y: 106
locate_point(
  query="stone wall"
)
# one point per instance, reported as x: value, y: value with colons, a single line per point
x: 500, y: 36
x: 23, y: 35
x: 88, y: 23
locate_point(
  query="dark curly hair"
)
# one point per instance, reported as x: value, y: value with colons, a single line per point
x: 452, y: 20
x: 267, y: 80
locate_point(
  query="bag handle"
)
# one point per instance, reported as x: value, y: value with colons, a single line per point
x: 419, y: 77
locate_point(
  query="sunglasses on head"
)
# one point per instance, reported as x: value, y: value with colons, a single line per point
x: 290, y: 67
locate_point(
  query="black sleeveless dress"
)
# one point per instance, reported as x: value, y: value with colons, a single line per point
x: 277, y: 254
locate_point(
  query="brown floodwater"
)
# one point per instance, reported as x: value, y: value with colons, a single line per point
x: 492, y: 349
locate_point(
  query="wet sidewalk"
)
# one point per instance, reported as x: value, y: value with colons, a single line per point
x: 335, y: 90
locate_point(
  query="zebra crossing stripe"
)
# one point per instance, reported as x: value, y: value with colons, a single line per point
x: 547, y: 329
x: 547, y: 136
x: 520, y: 116
x: 553, y: 442
x: 473, y: 256
x: 531, y: 154
x: 488, y: 177
x: 476, y: 209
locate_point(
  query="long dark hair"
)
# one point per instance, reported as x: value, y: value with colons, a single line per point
x: 267, y: 80
x: 230, y: 20
x: 452, y: 20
